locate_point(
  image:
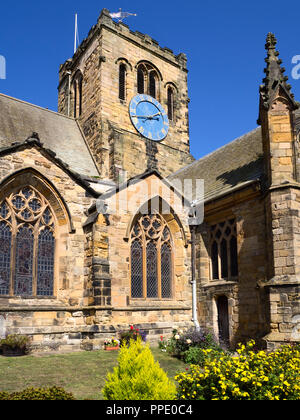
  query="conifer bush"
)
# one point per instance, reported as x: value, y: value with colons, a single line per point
x: 138, y: 376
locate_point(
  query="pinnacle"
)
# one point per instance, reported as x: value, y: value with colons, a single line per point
x: 274, y: 73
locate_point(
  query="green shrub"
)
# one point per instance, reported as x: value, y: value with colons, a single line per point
x: 43, y: 394
x: 199, y: 356
x: 16, y: 342
x: 138, y: 376
x: 248, y: 376
x: 181, y: 342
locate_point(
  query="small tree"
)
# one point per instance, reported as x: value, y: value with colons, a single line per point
x: 138, y: 376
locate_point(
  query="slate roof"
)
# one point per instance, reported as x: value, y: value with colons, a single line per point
x: 231, y: 166
x: 60, y: 134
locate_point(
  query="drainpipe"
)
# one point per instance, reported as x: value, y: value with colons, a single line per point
x: 194, y: 280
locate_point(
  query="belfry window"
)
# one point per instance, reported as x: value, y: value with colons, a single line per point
x: 148, y: 80
x: 151, y: 259
x: 170, y: 103
x: 152, y: 84
x: 27, y: 245
x: 77, y: 94
x: 141, y: 80
x: 223, y: 249
x: 122, y: 82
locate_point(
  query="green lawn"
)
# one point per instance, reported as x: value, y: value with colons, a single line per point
x: 81, y: 373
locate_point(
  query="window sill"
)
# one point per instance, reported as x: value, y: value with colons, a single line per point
x: 221, y: 282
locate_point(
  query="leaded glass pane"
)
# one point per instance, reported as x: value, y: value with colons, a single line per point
x: 47, y: 217
x: 18, y: 202
x: 45, y: 274
x: 166, y: 272
x: 5, y: 256
x: 26, y: 214
x: 35, y: 205
x: 152, y: 286
x: 24, y: 261
x: 224, y: 259
x: 4, y: 210
x: 136, y: 270
x: 214, y: 261
x: 27, y: 192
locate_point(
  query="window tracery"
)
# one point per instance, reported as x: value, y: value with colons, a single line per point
x: 151, y: 259
x: 224, y: 254
x: 27, y: 245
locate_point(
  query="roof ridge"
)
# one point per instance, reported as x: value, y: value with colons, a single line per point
x: 36, y: 106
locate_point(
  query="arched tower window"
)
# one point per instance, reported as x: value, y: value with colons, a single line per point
x: 171, y: 103
x: 122, y: 82
x: 152, y: 84
x: 77, y: 94
x: 27, y: 244
x: 151, y: 259
x: 148, y: 80
x: 141, y: 80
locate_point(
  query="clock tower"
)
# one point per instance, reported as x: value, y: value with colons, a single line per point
x: 130, y: 98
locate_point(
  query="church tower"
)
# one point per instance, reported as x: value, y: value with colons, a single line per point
x: 130, y: 98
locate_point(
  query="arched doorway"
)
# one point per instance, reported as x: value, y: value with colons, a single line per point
x: 223, y: 320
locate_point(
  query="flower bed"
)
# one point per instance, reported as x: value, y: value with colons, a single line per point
x: 249, y: 376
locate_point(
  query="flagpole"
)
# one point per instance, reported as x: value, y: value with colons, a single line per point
x: 76, y: 31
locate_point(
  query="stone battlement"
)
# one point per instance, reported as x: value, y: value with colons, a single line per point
x: 137, y: 38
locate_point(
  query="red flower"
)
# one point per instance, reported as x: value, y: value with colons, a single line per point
x: 131, y: 327
x: 161, y: 338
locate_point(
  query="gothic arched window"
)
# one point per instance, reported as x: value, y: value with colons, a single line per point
x: 27, y: 245
x: 170, y: 103
x: 224, y: 253
x: 77, y: 94
x: 151, y: 259
x: 122, y: 82
x: 152, y: 84
x: 141, y: 75
x: 148, y: 80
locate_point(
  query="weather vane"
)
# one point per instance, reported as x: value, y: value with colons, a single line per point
x: 121, y: 15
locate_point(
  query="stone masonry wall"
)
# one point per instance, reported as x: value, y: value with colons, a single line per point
x: 98, y: 59
x: 246, y: 296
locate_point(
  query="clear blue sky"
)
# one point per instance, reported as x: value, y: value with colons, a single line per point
x: 224, y: 42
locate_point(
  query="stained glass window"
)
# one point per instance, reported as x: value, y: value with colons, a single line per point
x: 136, y: 270
x: 24, y: 261
x: 27, y: 243
x: 151, y: 256
x: 45, y: 272
x: 166, y: 271
x: 151, y: 259
x: 5, y: 257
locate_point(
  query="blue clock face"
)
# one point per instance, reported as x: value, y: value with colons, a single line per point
x: 149, y: 117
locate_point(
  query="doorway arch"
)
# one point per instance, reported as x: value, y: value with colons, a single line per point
x: 223, y: 320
